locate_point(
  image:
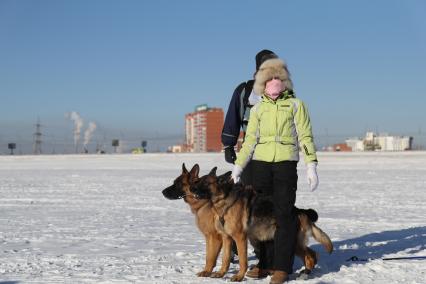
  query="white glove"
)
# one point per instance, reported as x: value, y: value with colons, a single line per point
x: 236, y: 173
x: 312, y: 175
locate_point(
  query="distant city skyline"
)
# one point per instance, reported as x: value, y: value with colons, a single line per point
x: 63, y: 141
x: 136, y: 68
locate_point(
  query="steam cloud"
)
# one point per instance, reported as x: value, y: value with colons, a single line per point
x: 78, y: 124
x: 88, y: 133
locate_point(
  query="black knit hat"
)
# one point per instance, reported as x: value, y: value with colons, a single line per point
x: 262, y: 56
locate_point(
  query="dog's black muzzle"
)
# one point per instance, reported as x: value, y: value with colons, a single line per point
x: 172, y: 192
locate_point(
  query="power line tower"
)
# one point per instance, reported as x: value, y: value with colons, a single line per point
x: 37, y: 139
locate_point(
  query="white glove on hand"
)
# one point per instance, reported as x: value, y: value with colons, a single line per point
x: 312, y: 175
x: 236, y: 173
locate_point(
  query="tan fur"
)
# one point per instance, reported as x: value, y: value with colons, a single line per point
x: 204, y: 219
x: 322, y: 238
x: 307, y: 229
x: 235, y: 213
x: 262, y: 231
x: 269, y: 69
x: 238, y: 227
x: 234, y: 228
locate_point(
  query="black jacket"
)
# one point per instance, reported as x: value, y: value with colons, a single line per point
x: 234, y: 116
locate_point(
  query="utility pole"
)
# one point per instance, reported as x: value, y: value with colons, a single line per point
x: 37, y: 139
x: 54, y: 146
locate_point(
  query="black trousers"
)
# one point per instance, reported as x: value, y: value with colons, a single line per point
x: 279, y: 182
x: 247, y: 174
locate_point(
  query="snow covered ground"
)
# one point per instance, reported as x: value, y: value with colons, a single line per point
x: 103, y: 219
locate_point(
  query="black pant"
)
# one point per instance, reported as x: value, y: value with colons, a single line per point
x: 279, y: 181
x: 247, y: 174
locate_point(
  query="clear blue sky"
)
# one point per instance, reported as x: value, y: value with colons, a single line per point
x: 136, y: 67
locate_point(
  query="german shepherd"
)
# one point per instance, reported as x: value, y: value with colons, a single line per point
x: 238, y: 216
x: 203, y: 211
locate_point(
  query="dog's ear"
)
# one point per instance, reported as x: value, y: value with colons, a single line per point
x: 225, y: 178
x: 184, y: 170
x: 213, y: 172
x: 195, y: 171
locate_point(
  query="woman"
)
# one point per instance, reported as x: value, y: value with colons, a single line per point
x: 278, y: 124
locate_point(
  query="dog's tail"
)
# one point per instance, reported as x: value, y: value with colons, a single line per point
x: 322, y: 238
x: 316, y: 232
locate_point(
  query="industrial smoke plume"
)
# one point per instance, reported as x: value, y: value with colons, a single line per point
x: 78, y: 124
x: 88, y: 133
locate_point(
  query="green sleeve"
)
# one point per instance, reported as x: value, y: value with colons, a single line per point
x: 250, y: 140
x: 304, y: 132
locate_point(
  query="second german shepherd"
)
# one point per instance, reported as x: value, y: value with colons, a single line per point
x: 238, y: 217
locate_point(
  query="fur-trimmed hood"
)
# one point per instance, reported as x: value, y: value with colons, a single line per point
x: 269, y: 69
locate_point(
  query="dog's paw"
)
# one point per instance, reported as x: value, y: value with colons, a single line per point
x: 304, y: 274
x: 217, y: 274
x: 237, y: 278
x: 204, y: 273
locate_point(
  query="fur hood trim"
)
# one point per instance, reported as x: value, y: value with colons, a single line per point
x: 269, y: 69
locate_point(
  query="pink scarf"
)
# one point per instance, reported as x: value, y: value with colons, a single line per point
x: 274, y: 88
